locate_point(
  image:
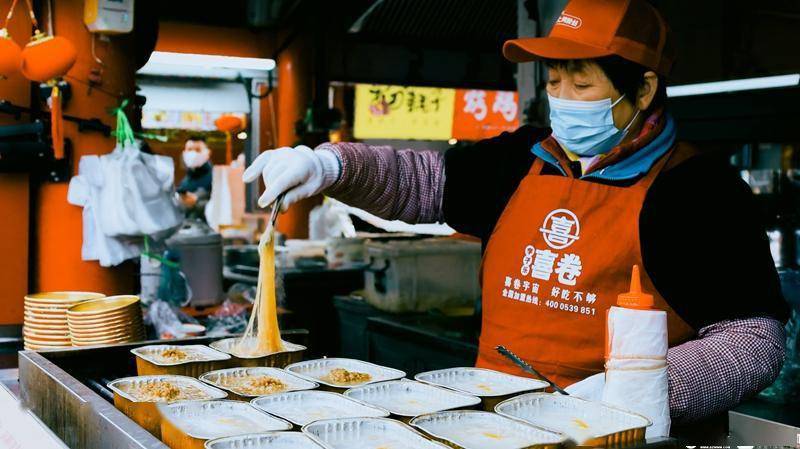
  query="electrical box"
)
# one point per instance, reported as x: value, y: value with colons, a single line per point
x: 108, y: 16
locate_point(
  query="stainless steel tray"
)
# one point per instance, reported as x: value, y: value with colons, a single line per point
x: 367, y: 433
x: 121, y: 386
x: 271, y: 440
x: 465, y: 429
x: 196, y: 353
x: 292, y: 382
x: 303, y: 407
x: 318, y: 370
x: 206, y: 420
x: 480, y: 382
x: 408, y: 398
x: 587, y: 423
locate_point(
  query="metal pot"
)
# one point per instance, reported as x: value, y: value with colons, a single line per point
x: 200, y: 250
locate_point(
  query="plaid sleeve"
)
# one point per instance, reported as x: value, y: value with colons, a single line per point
x: 393, y: 184
x: 728, y: 362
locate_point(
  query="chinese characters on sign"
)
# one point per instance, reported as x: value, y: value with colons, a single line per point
x: 408, y: 112
x: 554, y: 273
x: 480, y: 114
x: 403, y: 112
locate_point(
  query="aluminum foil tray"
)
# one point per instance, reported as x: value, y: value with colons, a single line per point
x: 200, y: 359
x: 122, y: 386
x: 367, y: 433
x: 206, y: 420
x: 271, y: 440
x: 408, y: 398
x: 483, y: 430
x: 290, y: 353
x: 480, y: 382
x: 196, y: 353
x: 303, y: 407
x: 145, y: 413
x: 317, y: 370
x: 587, y: 423
x: 293, y: 383
x: 228, y: 346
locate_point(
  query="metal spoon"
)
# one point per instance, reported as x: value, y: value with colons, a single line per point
x: 527, y: 368
x: 273, y: 218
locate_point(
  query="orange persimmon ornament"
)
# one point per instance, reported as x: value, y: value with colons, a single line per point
x: 45, y: 59
x: 10, y: 55
x: 229, y: 124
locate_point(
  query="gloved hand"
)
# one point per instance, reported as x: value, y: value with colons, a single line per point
x: 590, y: 388
x: 300, y: 172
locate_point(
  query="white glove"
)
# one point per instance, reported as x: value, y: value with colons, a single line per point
x: 590, y: 388
x: 300, y: 172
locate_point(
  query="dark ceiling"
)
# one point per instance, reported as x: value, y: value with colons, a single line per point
x: 437, y: 23
x: 456, y: 23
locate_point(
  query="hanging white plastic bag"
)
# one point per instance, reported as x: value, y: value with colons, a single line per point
x: 149, y: 187
x: 137, y: 195
x: 85, y: 191
x: 115, y: 215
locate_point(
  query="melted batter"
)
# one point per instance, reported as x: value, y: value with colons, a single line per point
x: 263, y: 323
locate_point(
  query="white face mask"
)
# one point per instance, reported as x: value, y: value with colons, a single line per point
x: 194, y: 159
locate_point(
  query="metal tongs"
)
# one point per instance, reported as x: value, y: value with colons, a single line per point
x: 273, y: 218
x: 527, y: 368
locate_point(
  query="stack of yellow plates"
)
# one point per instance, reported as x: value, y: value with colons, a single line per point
x: 45, y: 319
x: 111, y: 320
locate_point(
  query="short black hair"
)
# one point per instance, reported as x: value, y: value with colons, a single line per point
x: 626, y: 76
x: 196, y: 138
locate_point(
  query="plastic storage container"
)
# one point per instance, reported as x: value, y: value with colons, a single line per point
x: 420, y: 275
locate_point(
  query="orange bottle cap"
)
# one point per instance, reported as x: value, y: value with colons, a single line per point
x: 635, y: 298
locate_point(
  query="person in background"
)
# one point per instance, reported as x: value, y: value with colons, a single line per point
x: 195, y: 188
x: 564, y: 212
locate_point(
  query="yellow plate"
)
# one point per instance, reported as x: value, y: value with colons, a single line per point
x: 50, y: 305
x: 106, y: 321
x: 127, y: 312
x: 46, y: 309
x: 45, y: 333
x: 103, y: 306
x: 37, y: 319
x: 37, y: 341
x: 107, y: 342
x: 106, y: 335
x: 63, y: 297
x: 35, y: 347
x: 49, y: 326
x: 56, y: 343
x: 114, y: 327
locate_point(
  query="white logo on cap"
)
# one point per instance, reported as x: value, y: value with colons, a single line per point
x: 569, y: 21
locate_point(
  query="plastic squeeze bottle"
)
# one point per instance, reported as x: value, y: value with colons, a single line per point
x: 636, y: 357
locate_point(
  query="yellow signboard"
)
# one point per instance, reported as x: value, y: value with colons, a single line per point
x: 403, y: 112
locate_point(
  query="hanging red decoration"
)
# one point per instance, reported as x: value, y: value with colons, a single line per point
x: 229, y: 124
x: 47, y: 57
x: 10, y: 55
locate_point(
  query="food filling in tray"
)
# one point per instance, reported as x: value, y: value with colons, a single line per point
x: 164, y: 391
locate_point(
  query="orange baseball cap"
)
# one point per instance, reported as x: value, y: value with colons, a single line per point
x: 586, y: 29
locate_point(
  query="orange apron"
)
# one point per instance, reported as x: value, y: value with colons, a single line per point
x: 558, y: 257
